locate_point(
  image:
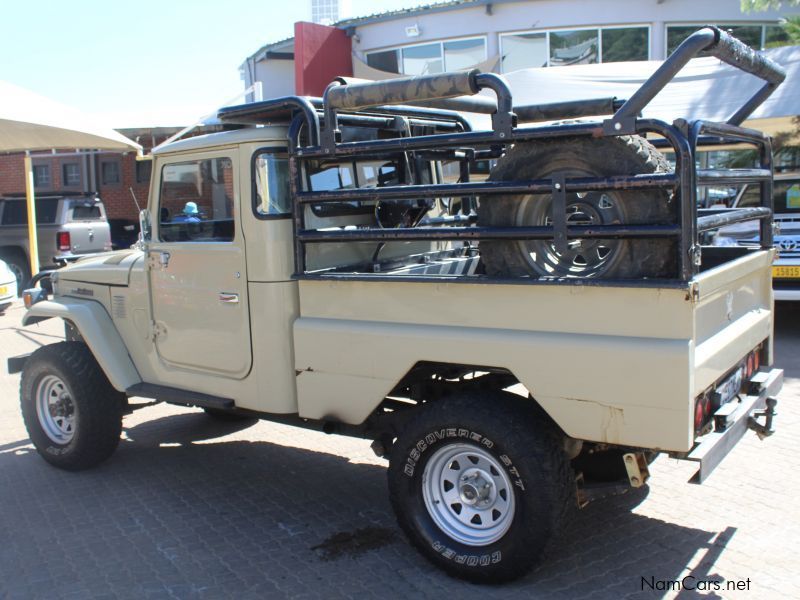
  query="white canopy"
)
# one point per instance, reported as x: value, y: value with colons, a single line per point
x: 29, y: 121
x: 706, y: 88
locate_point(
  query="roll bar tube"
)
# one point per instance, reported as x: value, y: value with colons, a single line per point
x: 708, y: 41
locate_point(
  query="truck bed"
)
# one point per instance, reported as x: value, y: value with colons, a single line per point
x: 594, y: 357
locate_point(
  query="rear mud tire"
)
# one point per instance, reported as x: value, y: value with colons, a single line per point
x: 72, y: 413
x: 520, y: 453
x: 602, y: 259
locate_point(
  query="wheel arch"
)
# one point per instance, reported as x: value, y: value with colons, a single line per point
x: 13, y: 248
x: 428, y: 382
x: 97, y: 331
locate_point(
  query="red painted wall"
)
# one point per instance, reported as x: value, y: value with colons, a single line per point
x: 321, y: 53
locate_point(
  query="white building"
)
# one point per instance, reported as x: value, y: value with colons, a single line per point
x: 506, y: 35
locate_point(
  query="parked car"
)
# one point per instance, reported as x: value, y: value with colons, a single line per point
x: 786, y: 199
x: 8, y: 287
x: 68, y: 226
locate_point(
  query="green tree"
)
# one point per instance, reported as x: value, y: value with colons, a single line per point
x: 759, y: 5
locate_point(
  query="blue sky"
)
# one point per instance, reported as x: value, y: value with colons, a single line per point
x: 149, y: 62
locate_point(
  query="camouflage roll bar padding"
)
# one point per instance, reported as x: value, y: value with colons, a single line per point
x: 400, y: 91
x: 738, y: 54
x: 475, y: 104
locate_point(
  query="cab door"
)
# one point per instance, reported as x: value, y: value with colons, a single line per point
x: 197, y: 267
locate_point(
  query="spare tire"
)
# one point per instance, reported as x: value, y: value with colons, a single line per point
x: 595, y: 258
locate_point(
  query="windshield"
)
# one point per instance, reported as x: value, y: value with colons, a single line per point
x: 785, y: 195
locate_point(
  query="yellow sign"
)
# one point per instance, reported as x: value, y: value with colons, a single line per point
x: 3, y: 290
x: 786, y: 272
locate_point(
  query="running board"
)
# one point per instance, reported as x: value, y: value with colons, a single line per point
x: 178, y: 396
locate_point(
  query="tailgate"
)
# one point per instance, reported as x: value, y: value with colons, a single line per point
x: 733, y: 314
x: 88, y: 229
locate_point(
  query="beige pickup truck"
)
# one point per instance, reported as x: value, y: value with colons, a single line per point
x: 515, y: 345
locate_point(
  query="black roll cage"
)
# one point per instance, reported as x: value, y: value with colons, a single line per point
x: 314, y: 134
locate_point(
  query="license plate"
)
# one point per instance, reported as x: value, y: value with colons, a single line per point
x: 786, y: 272
x: 728, y: 389
x: 3, y: 290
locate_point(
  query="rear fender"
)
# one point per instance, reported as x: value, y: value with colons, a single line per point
x: 97, y: 330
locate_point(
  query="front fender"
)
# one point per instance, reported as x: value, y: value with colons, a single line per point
x: 97, y: 330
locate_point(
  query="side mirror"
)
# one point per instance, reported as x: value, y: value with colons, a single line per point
x: 145, y: 228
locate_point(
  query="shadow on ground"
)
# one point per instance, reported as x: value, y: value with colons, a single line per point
x: 175, y: 513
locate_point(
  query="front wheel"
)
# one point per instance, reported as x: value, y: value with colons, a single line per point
x: 480, y: 485
x: 72, y: 413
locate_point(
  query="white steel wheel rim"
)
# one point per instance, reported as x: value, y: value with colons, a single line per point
x: 468, y: 494
x: 55, y: 409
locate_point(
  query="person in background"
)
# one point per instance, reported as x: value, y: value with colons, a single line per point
x: 190, y: 214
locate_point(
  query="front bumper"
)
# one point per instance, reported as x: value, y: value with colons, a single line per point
x: 714, y: 446
x: 8, y: 291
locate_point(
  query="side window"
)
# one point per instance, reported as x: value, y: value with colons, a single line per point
x: 86, y: 212
x: 197, y: 201
x: 751, y: 197
x: 271, y: 196
x: 15, y: 212
x: 324, y: 176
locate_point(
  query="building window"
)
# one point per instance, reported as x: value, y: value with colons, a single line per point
x: 387, y: 60
x: 41, y: 175
x: 143, y: 170
x: 434, y: 57
x: 109, y: 172
x: 422, y: 60
x: 574, y: 47
x: 755, y: 35
x: 71, y: 174
x: 625, y: 44
x: 462, y: 54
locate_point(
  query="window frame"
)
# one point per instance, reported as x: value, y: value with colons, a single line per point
x: 49, y: 169
x: 282, y: 152
x: 180, y: 160
x: 598, y: 28
x: 721, y: 25
x: 139, y: 168
x: 441, y: 43
x: 64, y: 167
x: 114, y: 161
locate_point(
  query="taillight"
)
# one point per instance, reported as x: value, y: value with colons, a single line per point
x: 757, y: 360
x: 749, y: 367
x: 63, y: 241
x: 701, y: 408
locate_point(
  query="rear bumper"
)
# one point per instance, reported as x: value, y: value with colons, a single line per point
x: 714, y: 447
x: 787, y: 295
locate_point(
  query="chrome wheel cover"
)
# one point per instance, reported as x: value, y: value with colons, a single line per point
x: 468, y: 494
x: 55, y: 409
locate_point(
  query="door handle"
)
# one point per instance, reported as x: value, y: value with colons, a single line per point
x: 228, y: 298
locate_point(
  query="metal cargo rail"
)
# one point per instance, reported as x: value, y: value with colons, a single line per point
x: 430, y: 104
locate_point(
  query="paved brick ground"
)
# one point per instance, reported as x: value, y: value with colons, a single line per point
x: 192, y: 508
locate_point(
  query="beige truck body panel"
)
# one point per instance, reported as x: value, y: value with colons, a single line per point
x: 99, y: 333
x: 594, y: 357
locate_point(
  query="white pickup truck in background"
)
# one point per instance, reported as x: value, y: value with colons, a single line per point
x: 68, y: 227
x: 786, y: 199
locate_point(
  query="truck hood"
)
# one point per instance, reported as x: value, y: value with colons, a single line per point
x: 109, y: 268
